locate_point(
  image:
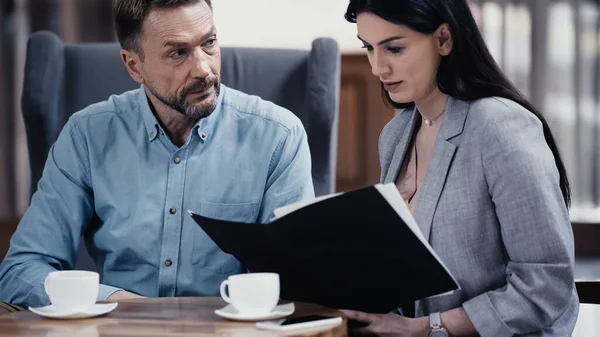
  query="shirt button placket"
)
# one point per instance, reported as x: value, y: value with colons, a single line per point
x: 172, y: 226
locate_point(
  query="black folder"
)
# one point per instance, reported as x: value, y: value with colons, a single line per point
x: 359, y: 250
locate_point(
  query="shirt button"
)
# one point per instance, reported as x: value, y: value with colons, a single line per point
x: 203, y: 136
x: 173, y: 210
x: 168, y: 263
x: 177, y: 160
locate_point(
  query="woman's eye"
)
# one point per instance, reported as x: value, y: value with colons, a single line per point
x: 395, y: 50
x: 367, y: 47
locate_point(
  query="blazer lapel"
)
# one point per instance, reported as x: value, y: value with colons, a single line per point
x: 404, y: 137
x: 439, y: 164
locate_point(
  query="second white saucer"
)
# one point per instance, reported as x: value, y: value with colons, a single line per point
x: 279, y: 311
x: 95, y: 310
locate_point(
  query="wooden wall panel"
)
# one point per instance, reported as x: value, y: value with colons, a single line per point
x: 351, y: 157
x: 362, y: 116
x: 7, y: 229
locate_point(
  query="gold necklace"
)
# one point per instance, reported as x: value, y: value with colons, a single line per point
x: 429, y: 121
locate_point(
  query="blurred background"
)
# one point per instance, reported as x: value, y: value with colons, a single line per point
x: 549, y: 48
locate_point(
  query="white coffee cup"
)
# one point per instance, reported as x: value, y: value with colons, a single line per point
x: 252, y: 294
x: 72, y: 290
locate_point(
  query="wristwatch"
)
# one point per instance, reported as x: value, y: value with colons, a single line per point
x: 435, y: 324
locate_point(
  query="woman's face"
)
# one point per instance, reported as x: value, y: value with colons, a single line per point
x: 405, y: 61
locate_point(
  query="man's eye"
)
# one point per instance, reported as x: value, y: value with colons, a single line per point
x: 210, y: 43
x: 177, y: 54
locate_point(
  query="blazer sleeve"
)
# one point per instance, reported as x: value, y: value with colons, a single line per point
x: 523, y: 183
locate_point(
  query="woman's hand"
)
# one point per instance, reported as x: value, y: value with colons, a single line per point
x: 388, y: 325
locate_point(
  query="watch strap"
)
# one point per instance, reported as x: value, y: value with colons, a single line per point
x: 435, y: 320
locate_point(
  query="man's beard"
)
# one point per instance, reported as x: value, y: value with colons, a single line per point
x: 183, y: 106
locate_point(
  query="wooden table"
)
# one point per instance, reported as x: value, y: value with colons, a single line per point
x: 187, y: 316
x: 195, y: 317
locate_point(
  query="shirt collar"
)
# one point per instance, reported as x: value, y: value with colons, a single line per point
x: 152, y: 125
x: 204, y: 127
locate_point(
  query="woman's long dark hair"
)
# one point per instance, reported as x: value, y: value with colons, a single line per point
x: 469, y: 72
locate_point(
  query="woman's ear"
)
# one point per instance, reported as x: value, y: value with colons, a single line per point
x: 445, y: 39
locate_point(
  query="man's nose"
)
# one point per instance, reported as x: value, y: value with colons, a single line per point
x: 200, y: 64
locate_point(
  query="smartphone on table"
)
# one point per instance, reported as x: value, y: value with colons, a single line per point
x: 300, y: 323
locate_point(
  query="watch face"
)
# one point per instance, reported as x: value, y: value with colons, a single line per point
x: 438, y: 333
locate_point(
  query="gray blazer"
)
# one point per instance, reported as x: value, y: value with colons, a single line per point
x: 491, y: 207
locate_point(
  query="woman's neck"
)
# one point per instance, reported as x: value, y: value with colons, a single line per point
x: 433, y: 105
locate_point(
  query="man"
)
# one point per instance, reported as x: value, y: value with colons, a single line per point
x: 125, y: 171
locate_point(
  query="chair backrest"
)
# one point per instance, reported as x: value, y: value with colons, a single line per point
x: 61, y: 79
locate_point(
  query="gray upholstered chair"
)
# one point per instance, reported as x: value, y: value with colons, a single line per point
x: 61, y: 79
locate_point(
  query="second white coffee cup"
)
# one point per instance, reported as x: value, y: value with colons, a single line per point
x: 72, y: 290
x: 252, y: 294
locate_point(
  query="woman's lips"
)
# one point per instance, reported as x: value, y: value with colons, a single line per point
x: 391, y: 86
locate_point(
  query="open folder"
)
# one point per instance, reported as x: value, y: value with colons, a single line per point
x: 358, y: 250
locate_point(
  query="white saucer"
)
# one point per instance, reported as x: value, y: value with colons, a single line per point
x: 279, y: 311
x: 95, y: 310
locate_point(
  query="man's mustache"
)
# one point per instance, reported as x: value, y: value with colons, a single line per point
x: 200, y: 85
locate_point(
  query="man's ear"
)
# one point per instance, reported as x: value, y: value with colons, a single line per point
x: 132, y: 63
x: 445, y: 39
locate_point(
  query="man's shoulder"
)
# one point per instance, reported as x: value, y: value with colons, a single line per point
x: 252, y: 106
x: 114, y: 106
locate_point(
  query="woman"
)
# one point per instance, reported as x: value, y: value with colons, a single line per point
x: 479, y: 169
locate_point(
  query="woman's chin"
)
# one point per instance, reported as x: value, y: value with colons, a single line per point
x: 400, y: 98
